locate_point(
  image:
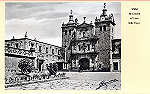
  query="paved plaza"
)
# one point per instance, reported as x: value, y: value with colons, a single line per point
x: 79, y: 81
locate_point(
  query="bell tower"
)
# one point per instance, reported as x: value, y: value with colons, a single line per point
x: 68, y: 32
x: 104, y: 27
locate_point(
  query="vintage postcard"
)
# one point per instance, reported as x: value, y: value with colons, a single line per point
x: 63, y: 45
x: 74, y: 46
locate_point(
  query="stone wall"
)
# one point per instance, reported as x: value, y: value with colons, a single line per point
x: 11, y: 66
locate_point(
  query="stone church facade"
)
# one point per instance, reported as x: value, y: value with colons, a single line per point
x: 88, y: 46
x: 85, y: 46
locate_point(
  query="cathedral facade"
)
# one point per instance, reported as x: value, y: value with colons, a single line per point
x: 85, y: 46
x: 88, y: 46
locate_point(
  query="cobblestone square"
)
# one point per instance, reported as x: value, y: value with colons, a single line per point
x: 79, y: 81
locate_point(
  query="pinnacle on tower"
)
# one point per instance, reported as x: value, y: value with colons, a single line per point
x: 84, y: 19
x: 63, y: 24
x: 91, y: 22
x: 71, y: 17
x: 104, y: 5
x: 104, y: 10
x: 70, y: 11
x: 76, y: 20
x: 13, y: 37
x: 25, y: 35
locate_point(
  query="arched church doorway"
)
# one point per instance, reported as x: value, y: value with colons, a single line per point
x: 84, y: 64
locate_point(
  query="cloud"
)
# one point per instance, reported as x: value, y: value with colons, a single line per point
x: 43, y: 20
x: 26, y: 10
x: 43, y: 28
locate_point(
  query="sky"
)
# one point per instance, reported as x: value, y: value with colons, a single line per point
x: 43, y: 20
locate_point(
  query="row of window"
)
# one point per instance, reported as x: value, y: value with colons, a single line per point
x: 87, y: 46
x: 103, y: 28
x: 53, y: 51
x: 16, y: 45
x: 83, y: 34
x: 69, y: 32
x: 54, y: 57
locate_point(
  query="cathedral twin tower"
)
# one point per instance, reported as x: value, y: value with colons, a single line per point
x: 87, y: 46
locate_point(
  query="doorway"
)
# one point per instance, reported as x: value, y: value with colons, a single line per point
x: 84, y: 64
x: 115, y: 65
x: 40, y: 62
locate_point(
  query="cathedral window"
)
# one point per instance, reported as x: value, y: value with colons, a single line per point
x: 84, y: 47
x: 40, y: 48
x: 115, y: 65
x: 32, y: 44
x: 52, y: 51
x: 59, y: 58
x: 46, y: 49
x: 73, y: 34
x: 50, y: 47
x: 74, y: 47
x: 69, y: 32
x: 36, y: 44
x: 79, y: 47
x: 65, y: 32
x: 100, y: 28
x: 29, y: 43
x: 20, y: 43
x: 99, y: 66
x: 58, y: 52
x: 104, y: 27
x: 17, y: 45
x: 83, y: 34
x: 88, y: 45
x: 93, y: 46
x: 8, y: 45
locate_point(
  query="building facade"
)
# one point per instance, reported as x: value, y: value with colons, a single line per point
x: 116, y: 55
x: 39, y: 52
x: 88, y: 46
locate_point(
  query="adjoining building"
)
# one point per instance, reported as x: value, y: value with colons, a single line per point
x: 116, y: 55
x: 39, y: 52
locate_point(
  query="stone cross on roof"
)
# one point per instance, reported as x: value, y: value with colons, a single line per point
x: 70, y: 11
x: 84, y: 18
x: 104, y: 5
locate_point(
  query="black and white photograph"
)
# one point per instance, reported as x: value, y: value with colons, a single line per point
x: 63, y: 45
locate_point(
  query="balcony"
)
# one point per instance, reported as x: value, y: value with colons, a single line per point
x: 32, y: 49
x: 82, y: 52
x: 93, y: 39
x: 16, y: 52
